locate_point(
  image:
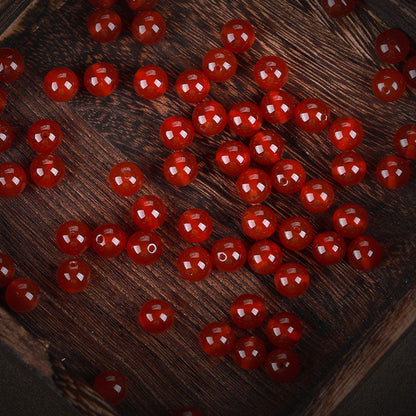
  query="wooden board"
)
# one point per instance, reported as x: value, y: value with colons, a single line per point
x: 350, y: 318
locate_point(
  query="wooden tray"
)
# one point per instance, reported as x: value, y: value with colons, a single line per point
x: 350, y: 318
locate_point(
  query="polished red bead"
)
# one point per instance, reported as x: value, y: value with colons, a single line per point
x: 388, y: 85
x: 156, y: 316
x: 12, y: 65
x: 7, y: 269
x: 141, y: 4
x: 264, y: 257
x: 104, y: 25
x: 6, y: 135
x: 73, y: 237
x: 176, y: 133
x: 282, y: 365
x: 217, y: 339
x: 338, y: 8
x: 392, y: 172
x: 61, y: 84
x: 150, y: 82
x: 291, y: 280
x: 409, y: 72
x: 125, y: 179
x: 404, y: 140
x: 188, y: 411
x: 144, y: 247
x: 249, y: 352
x: 180, y: 168
x: 228, y: 254
x: 148, y: 27
x: 271, y: 73
x: 392, y: 46
x: 233, y: 157
x: 3, y: 100
x: 101, y: 79
x: 22, y: 295
x: 192, y: 86
x: 102, y: 3
x: 47, y: 170
x: 328, y: 248
x: 348, y: 168
x: 209, y: 118
x: 112, y: 385
x: 317, y: 195
x: 248, y: 311
x: 12, y: 179
x: 254, y: 186
x: 245, y: 119
x: 312, y: 115
x: 148, y: 212
x: 259, y: 222
x: 73, y: 275
x: 296, y: 233
x: 266, y: 147
x: 287, y: 176
x: 237, y: 35
x: 278, y: 107
x: 108, y: 240
x: 364, y: 253
x: 346, y: 133
x: 195, y: 225
x: 350, y: 220
x: 284, y: 330
x: 219, y: 64
x: 194, y: 264
x: 44, y: 136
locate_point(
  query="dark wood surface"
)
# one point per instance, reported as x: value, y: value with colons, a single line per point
x: 350, y: 318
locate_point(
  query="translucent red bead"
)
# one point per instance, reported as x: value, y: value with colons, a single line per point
x: 328, y: 248
x: 237, y: 35
x: 13, y: 179
x: 228, y: 254
x: 209, y: 118
x: 388, y: 85
x: 409, y: 72
x: 61, y: 84
x: 317, y: 195
x: 195, y: 225
x: 7, y: 270
x: 101, y: 79
x: 22, y: 295
x: 338, y: 8
x: 192, y: 86
x: 148, y: 212
x: 245, y: 119
x: 148, y: 27
x: 264, y: 257
x: 6, y: 135
x: 392, y: 172
x: 194, y: 264
x: 12, y: 65
x: 350, y: 220
x: 259, y: 222
x: 144, y: 247
x: 156, y: 316
x: 44, y: 136
x: 346, y: 133
x: 312, y: 115
x: 278, y: 107
x: 112, y: 385
x: 104, y: 25
x: 287, y: 176
x: 254, y: 186
x: 219, y: 64
x: 248, y: 311
x: 284, y: 330
x: 176, y: 133
x: 271, y: 73
x: 348, y: 168
x: 282, y: 365
x: 364, y: 253
x: 296, y: 233
x: 125, y: 179
x: 73, y: 275
x: 266, y: 147
x: 291, y: 280
x: 73, y: 237
x: 392, y: 46
x: 233, y: 157
x: 180, y: 168
x: 47, y: 170
x: 217, y: 339
x: 404, y: 140
x: 108, y: 240
x: 249, y: 352
x: 150, y: 82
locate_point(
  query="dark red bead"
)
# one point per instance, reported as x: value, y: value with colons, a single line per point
x: 104, y: 25
x: 7, y: 270
x: 266, y: 147
x: 392, y: 172
x: 73, y: 275
x: 125, y: 179
x: 264, y: 257
x: 44, y: 136
x: 312, y: 115
x: 141, y: 4
x: 317, y: 195
x: 248, y: 311
x: 271, y: 73
x: 194, y: 264
x: 176, y: 133
x: 254, y: 186
x: 3, y: 100
x: 112, y: 385
x: 287, y: 176
x: 364, y: 253
x: 328, y: 248
x: 150, y: 82
x: 144, y: 247
x: 148, y: 27
x: 180, y: 168
x: 61, y: 84
x: 346, y: 133
x: 249, y: 352
x: 47, y: 170
x: 409, y: 72
x: 284, y: 330
x: 102, y: 3
x: 101, y: 79
x: 278, y: 107
x: 233, y: 157
x: 217, y: 339
x: 404, y: 140
x: 296, y: 233
x: 259, y: 222
x: 388, y: 85
x: 237, y: 35
x: 148, y: 212
x: 195, y: 225
x: 348, y: 168
x: 6, y: 135
x: 22, y: 295
x: 12, y: 65
x: 291, y: 280
x: 188, y: 411
x: 282, y: 365
x: 338, y: 8
x: 108, y: 240
x: 73, y: 237
x: 219, y: 64
x: 209, y: 118
x: 192, y: 86
x: 13, y: 179
x: 245, y: 119
x: 156, y: 316
x: 228, y: 254
x: 350, y: 220
x: 392, y: 46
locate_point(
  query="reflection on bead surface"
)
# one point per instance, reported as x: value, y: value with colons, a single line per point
x: 108, y: 240
x: 328, y: 248
x: 144, y: 247
x: 317, y: 195
x: 192, y: 86
x: 195, y: 225
x: 259, y: 222
x: 22, y: 295
x: 219, y: 64
x: 73, y: 237
x: 392, y: 46
x: 6, y: 135
x: 12, y: 179
x: 61, y: 84
x: 264, y: 257
x: 47, y: 170
x: 233, y: 157
x: 101, y: 79
x: 392, y: 172
x: 209, y: 118
x: 271, y: 73
x: 228, y: 254
x: 284, y: 330
x: 249, y: 353
x: 278, y: 107
x: 312, y: 115
x: 104, y: 25
x: 245, y: 119
x: 282, y: 365
x: 176, y: 133
x: 266, y: 147
x: 346, y: 133
x: 194, y: 264
x: 3, y: 100
x: 388, y: 85
x: 237, y: 35
x: 350, y: 220
x: 405, y: 141
x: 409, y: 72
x: 254, y: 186
x: 291, y: 280
x: 248, y: 311
x: 348, y: 168
x: 73, y: 275
x: 364, y: 253
x: 338, y: 8
x: 188, y: 411
x: 141, y: 4
x: 125, y: 179
x: 7, y: 269
x: 44, y: 136
x: 296, y: 233
x: 180, y: 168
x: 148, y: 27
x: 156, y: 316
x: 217, y: 339
x: 148, y: 212
x: 12, y: 65
x: 287, y: 176
x: 150, y: 82
x: 112, y: 385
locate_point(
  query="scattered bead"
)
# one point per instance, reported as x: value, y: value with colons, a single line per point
x: 148, y: 27
x: 156, y: 316
x: 392, y: 172
x: 388, y: 85
x: 112, y: 385
x: 141, y: 4
x: 237, y: 35
x: 47, y: 170
x: 278, y: 107
x: 346, y: 133
x: 194, y: 264
x: 287, y: 176
x: 254, y: 186
x: 328, y: 248
x: 216, y: 339
x: 312, y: 115
x: 271, y: 73
x: 364, y: 253
x: 7, y: 270
x: 296, y: 233
x: 338, y: 8
x: 6, y: 135
x: 245, y: 119
x: 22, y: 295
x: 249, y: 353
x: 180, y: 168
x: 12, y: 179
x: 409, y: 72
x: 176, y: 133
x: 266, y: 147
x: 291, y: 280
x: 108, y: 240
x: 259, y: 222
x: 144, y: 247
x: 233, y: 157
x: 148, y: 212
x: 219, y: 64
x: 392, y: 46
x: 284, y: 330
x: 150, y: 82
x: 61, y: 84
x: 188, y: 411
x: 228, y: 254
x: 248, y: 311
x: 101, y: 79
x: 209, y: 118
x: 125, y: 179
x: 264, y: 257
x: 350, y: 220
x: 44, y: 136
x: 195, y: 225
x: 3, y: 100
x: 317, y: 195
x: 12, y: 65
x: 192, y: 86
x: 348, y: 168
x: 73, y: 275
x: 73, y: 237
x: 282, y: 365
x: 104, y: 25
x: 404, y: 140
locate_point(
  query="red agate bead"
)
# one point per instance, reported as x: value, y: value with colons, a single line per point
x: 148, y: 27
x: 73, y: 275
x: 254, y: 186
x: 237, y: 35
x: 228, y: 254
x: 312, y: 115
x: 350, y: 220
x: 209, y: 118
x: 259, y: 222
x: 141, y: 4
x: 219, y: 64
x: 47, y: 170
x: 392, y: 172
x: 271, y: 73
x: 12, y: 179
x: 61, y: 84
x: 245, y: 119
x: 282, y: 365
x: 148, y: 212
x: 317, y: 195
x: 248, y: 311
x: 101, y: 79
x: 192, y: 86
x: 156, y: 316
x: 194, y: 264
x: 287, y: 176
x: 104, y: 25
x: 338, y: 8
x: 188, y: 411
x: 278, y: 107
x: 264, y: 257
x: 180, y: 168
x: 108, y: 240
x: 112, y: 385
x: 22, y: 295
x: 296, y: 233
x: 6, y: 135
x: 409, y: 72
x: 328, y: 248
x: 291, y: 280
x: 150, y: 82
x: 73, y: 237
x: 233, y: 157
x: 195, y: 225
x: 102, y: 3
x: 249, y: 352
x: 125, y: 179
x: 12, y: 65
x: 404, y: 140
x: 44, y: 136
x: 7, y: 270
x: 284, y: 330
x: 392, y: 46
x: 266, y: 147
x: 346, y: 133
x: 217, y: 339
x: 388, y: 85
x: 176, y: 133
x: 364, y: 253
x: 144, y: 247
x: 3, y: 100
x: 348, y: 168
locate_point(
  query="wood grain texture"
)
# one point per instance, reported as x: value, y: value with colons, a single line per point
x: 343, y: 312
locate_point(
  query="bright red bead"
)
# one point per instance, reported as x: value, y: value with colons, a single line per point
x: 282, y: 365
x: 6, y: 135
x: 312, y: 115
x: 259, y: 222
x: 141, y: 4
x: 266, y: 147
x: 346, y: 133
x: 108, y: 240
x: 73, y: 237
x: 296, y: 233
x: 12, y: 65
x: 73, y: 275
x: 194, y: 264
x: 338, y: 8
x: 249, y: 353
x: 350, y: 220
x: 104, y: 25
x: 348, y: 168
x: 317, y: 195
x: 192, y: 86
x: 237, y: 35
x: 404, y: 140
x: 233, y: 157
x: 7, y: 270
x: 219, y: 64
x: 156, y: 316
x: 209, y: 118
x: 228, y: 254
x: 245, y: 119
x: 125, y: 179
x: 44, y: 136
x: 61, y: 84
x: 291, y: 280
x: 47, y: 170
x: 328, y: 248
x: 271, y: 73
x: 102, y: 3
x: 180, y: 168
x: 150, y: 82
x: 287, y: 176
x: 101, y: 79
x: 148, y: 212
x: 388, y: 85
x: 3, y: 100
x: 112, y: 385
x: 409, y: 72
x: 217, y: 339
x: 392, y: 46
x: 188, y: 411
x: 254, y: 186
x: 364, y: 253
x: 392, y: 172
x: 284, y: 330
x: 176, y: 133
x: 278, y: 107
x: 248, y: 311
x: 195, y: 225
x: 12, y: 179
x: 148, y: 27
x: 144, y: 247
x: 22, y: 295
x: 264, y: 257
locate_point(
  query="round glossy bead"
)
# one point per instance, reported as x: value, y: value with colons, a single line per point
x: 192, y: 86
x: 278, y: 107
x: 73, y: 237
x: 104, y: 25
x: 125, y: 179
x: 219, y: 64
x: 156, y: 316
x: 73, y: 275
x: 392, y: 172
x: 312, y: 115
x: 237, y: 35
x: 176, y: 133
x: 11, y: 65
x: 284, y: 330
x: 404, y: 140
x: 180, y: 168
x: 61, y: 84
x: 108, y: 240
x: 209, y: 118
x: 217, y: 339
x: 264, y: 257
x: 291, y: 280
x: 148, y: 27
x: 12, y: 179
x: 228, y: 254
x: 150, y: 82
x: 195, y: 225
x: 144, y: 247
x: 141, y: 4
x: 47, y: 170
x: 148, y: 212
x: 101, y: 79
x: 44, y: 136
x: 282, y: 365
x: 296, y: 233
x: 245, y: 119
x: 254, y: 186
x: 112, y: 385
x: 266, y: 147
x: 6, y: 135
x: 259, y: 222
x: 249, y: 353
x: 22, y: 295
x: 392, y: 46
x: 388, y: 85
x: 248, y: 311
x: 409, y: 72
x: 317, y: 195
x: 233, y: 157
x: 328, y: 248
x: 7, y: 269
x: 188, y: 411
x: 102, y: 3
x: 348, y: 168
x: 338, y: 8
x: 346, y: 133
x: 194, y: 264
x: 350, y: 220
x: 271, y: 73
x: 364, y: 253
x: 287, y: 176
